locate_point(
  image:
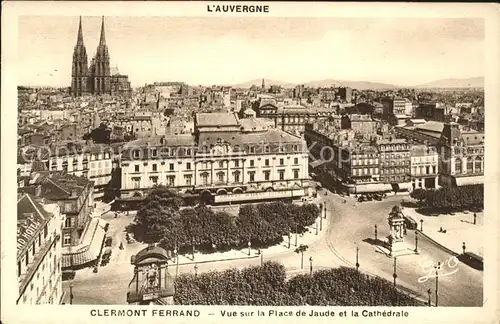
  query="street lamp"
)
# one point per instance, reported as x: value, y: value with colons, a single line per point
x: 195, y: 269
x: 416, y: 242
x: 316, y: 225
x: 262, y: 256
x: 429, y: 299
x: 296, y: 235
x: 249, y: 246
x: 320, y: 222
x: 311, y: 265
x: 71, y: 294
x: 192, y: 244
x: 395, y: 275
x: 289, y: 239
x: 421, y: 225
x: 438, y: 267
x: 376, y: 239
x: 463, y: 247
x: 475, y: 218
x: 357, y: 258
x: 176, y: 262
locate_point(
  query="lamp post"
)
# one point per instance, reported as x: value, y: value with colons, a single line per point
x: 249, y: 246
x: 261, y: 257
x: 429, y: 297
x: 416, y: 242
x: 438, y: 267
x: 376, y: 238
x: 320, y: 222
x: 311, y: 265
x: 176, y: 262
x: 316, y: 225
x: 289, y: 238
x: 296, y: 235
x: 324, y: 213
x: 475, y: 218
x: 195, y: 269
x: 395, y: 275
x: 192, y: 244
x: 357, y: 258
x: 71, y: 294
x: 421, y: 225
x: 463, y: 247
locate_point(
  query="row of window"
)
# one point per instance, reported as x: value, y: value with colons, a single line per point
x: 30, y: 253
x: 473, y: 166
x: 220, y: 178
x: 188, y: 151
x: 221, y: 165
x: 396, y: 147
x: 424, y: 170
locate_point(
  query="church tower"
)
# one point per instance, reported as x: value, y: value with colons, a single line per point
x: 102, y: 76
x: 79, y: 68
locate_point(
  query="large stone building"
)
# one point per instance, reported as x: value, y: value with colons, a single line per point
x: 397, y: 110
x: 94, y: 162
x: 356, y: 166
x: 226, y: 160
x: 290, y: 118
x: 462, y: 156
x: 82, y: 233
x: 461, y: 152
x: 424, y: 166
x: 39, y: 272
x: 98, y: 77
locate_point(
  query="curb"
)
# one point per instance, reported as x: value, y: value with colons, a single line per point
x: 438, y: 244
x: 218, y: 260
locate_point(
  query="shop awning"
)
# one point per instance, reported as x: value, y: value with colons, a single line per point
x: 464, y: 181
x: 90, y: 248
x: 373, y: 187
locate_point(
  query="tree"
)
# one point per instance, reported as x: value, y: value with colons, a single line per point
x: 301, y: 249
x: 419, y: 194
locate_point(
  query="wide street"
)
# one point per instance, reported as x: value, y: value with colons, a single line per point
x: 350, y: 224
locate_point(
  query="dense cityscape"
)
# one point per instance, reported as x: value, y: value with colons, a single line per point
x: 268, y: 194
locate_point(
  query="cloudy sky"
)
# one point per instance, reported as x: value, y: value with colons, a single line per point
x: 220, y: 50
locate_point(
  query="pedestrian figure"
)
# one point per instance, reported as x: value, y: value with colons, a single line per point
x: 121, y: 246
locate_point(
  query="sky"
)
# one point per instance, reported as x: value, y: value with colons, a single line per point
x: 215, y: 50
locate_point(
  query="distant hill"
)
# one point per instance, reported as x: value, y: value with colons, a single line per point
x: 258, y: 83
x: 361, y: 85
x: 319, y: 83
x: 454, y: 83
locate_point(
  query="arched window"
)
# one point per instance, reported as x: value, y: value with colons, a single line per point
x: 478, y: 163
x: 470, y: 163
x: 458, y: 166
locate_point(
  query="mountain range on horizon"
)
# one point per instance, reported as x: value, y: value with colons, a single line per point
x: 477, y: 82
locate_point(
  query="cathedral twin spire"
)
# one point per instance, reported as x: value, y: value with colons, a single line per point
x: 97, y: 79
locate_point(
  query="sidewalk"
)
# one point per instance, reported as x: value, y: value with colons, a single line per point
x: 459, y: 228
x: 307, y: 238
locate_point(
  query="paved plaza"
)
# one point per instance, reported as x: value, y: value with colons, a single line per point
x: 346, y: 226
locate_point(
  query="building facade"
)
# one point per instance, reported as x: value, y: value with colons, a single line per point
x: 38, y: 251
x: 94, y: 162
x: 290, y: 118
x: 462, y: 156
x: 424, y: 167
x: 96, y: 78
x: 226, y: 160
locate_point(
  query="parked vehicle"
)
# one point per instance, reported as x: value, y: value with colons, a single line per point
x: 473, y: 260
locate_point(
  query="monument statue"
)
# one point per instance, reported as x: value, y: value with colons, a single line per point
x: 396, y: 225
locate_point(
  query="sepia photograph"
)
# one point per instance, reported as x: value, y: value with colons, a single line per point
x: 250, y: 160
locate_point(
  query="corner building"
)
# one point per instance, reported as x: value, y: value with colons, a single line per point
x: 226, y: 160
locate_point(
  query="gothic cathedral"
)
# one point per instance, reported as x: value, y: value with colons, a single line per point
x: 98, y: 78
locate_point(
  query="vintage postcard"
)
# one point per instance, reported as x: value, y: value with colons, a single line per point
x: 249, y: 161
